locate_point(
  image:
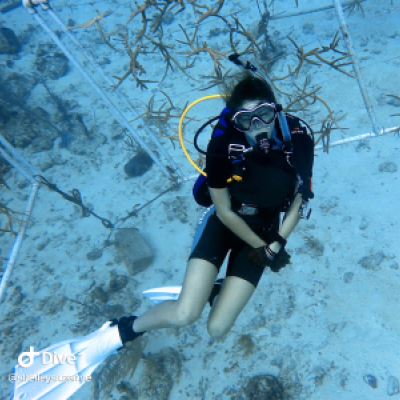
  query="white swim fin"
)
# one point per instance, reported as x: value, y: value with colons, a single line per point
x: 58, y: 371
x: 158, y: 295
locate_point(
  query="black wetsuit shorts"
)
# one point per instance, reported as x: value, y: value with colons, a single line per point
x: 217, y: 240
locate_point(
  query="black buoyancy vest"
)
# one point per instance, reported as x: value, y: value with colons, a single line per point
x: 269, y: 184
x: 274, y: 176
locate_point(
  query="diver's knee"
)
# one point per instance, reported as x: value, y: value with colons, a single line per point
x: 217, y: 331
x: 186, y: 317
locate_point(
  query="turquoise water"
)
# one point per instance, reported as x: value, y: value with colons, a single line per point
x: 326, y: 326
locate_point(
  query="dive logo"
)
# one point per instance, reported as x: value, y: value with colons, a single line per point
x: 47, y: 358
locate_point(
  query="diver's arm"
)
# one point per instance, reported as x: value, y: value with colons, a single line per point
x: 290, y: 222
x: 222, y: 203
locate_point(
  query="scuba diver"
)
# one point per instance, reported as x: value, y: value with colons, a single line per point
x: 259, y: 165
x: 256, y: 170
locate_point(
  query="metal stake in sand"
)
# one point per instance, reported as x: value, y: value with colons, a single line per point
x: 351, y: 51
x: 118, y: 115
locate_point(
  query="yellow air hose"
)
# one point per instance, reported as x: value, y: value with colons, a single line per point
x: 213, y: 96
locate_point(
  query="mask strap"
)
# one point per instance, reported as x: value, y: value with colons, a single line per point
x: 283, y: 123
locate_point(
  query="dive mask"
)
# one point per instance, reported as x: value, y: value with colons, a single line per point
x: 264, y: 112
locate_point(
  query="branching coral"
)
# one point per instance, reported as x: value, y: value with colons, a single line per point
x: 305, y: 56
x: 92, y: 21
x: 218, y: 79
x: 212, y: 11
x: 193, y: 42
x: 160, y: 118
x: 167, y: 6
x: 104, y: 37
x: 241, y: 41
x: 134, y: 65
x: 356, y: 4
x: 168, y: 58
x: 11, y: 216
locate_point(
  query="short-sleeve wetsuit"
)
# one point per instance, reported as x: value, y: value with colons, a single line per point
x: 269, y: 183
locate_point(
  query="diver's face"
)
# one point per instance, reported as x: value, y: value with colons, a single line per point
x: 257, y: 126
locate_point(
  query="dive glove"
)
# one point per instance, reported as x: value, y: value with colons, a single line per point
x: 306, y: 192
x: 265, y: 257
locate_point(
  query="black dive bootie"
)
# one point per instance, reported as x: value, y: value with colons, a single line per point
x: 125, y: 329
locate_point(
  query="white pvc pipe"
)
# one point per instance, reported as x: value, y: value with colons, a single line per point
x: 360, y: 137
x: 298, y: 13
x: 15, y: 164
x: 109, y: 82
x: 118, y: 115
x: 14, y: 153
x: 18, y: 241
x: 352, y: 53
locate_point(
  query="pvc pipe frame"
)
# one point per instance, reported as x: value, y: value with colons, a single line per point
x: 122, y: 97
x: 350, y: 48
x: 23, y: 167
x: 360, y: 137
x: 35, y: 187
x: 18, y: 242
x: 14, y: 158
x: 296, y: 14
x: 124, y: 122
x: 29, y: 171
x: 117, y: 113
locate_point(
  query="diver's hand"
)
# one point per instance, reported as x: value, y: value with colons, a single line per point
x: 281, y: 260
x: 306, y: 193
x: 265, y: 257
x: 274, y: 240
x: 262, y: 256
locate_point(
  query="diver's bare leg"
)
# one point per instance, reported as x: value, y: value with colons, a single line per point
x: 197, y: 285
x: 234, y: 295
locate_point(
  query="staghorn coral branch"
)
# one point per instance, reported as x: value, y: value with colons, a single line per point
x: 218, y: 79
x: 316, y: 52
x: 337, y: 66
x: 133, y: 63
x: 196, y: 49
x: 115, y: 31
x: 210, y: 11
x: 333, y: 45
x: 302, y: 56
x: 92, y: 21
x: 106, y: 41
x: 239, y: 28
x: 353, y: 5
x: 141, y: 9
x: 10, y: 216
x: 176, y: 3
x: 168, y: 58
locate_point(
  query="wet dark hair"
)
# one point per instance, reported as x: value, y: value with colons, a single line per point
x: 249, y: 87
